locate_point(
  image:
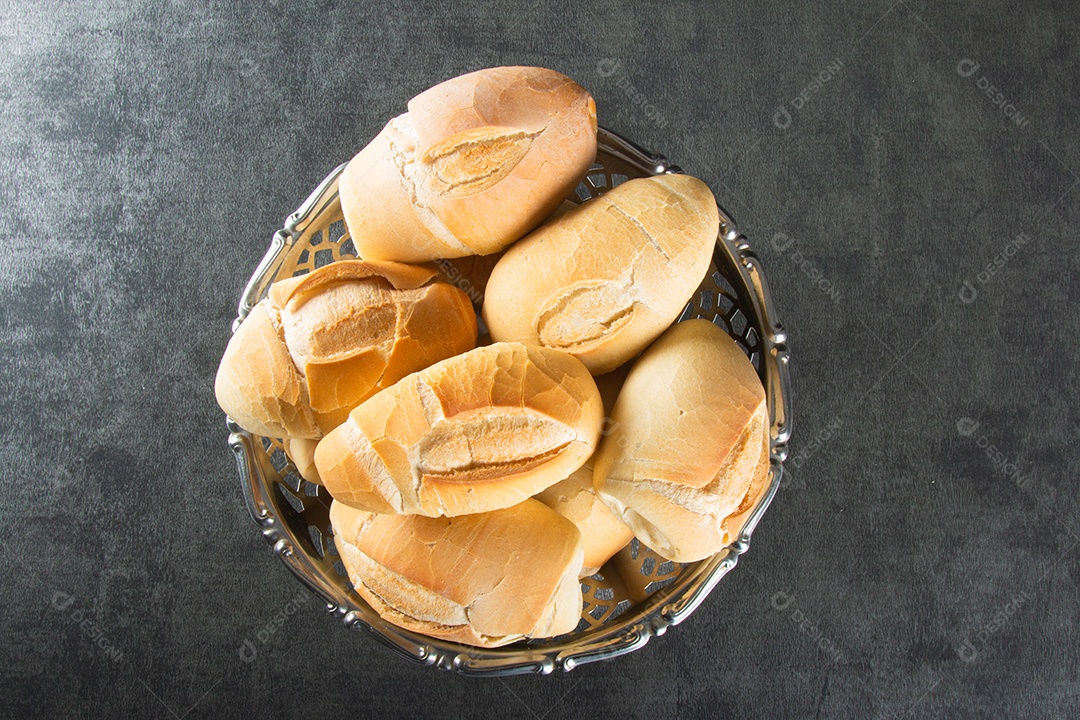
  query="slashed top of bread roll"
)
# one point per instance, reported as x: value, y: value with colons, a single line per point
x: 480, y: 431
x: 604, y: 280
x: 477, y: 161
x: 322, y: 343
x: 486, y: 579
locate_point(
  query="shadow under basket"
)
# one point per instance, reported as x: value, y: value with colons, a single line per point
x: 637, y: 594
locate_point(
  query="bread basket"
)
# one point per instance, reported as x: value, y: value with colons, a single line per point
x: 638, y: 594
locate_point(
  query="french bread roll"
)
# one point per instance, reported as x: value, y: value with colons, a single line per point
x: 322, y: 343
x: 480, y: 431
x: 487, y: 579
x: 604, y: 280
x: 602, y: 534
x: 302, y: 453
x: 476, y: 162
x: 258, y: 385
x: 687, y: 441
x: 733, y: 523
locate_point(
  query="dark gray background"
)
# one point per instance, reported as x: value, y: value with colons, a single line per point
x: 924, y: 565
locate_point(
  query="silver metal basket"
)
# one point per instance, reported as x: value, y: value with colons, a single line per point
x: 637, y: 594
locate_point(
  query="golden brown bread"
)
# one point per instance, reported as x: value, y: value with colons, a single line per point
x: 602, y: 534
x: 258, y: 385
x: 687, y: 442
x: 476, y: 162
x: 480, y: 431
x: 322, y: 343
x: 733, y: 523
x: 486, y: 579
x: 302, y: 453
x: 603, y: 281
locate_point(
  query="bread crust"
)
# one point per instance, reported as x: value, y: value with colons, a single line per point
x: 258, y: 385
x: 486, y: 579
x: 302, y: 453
x: 687, y: 442
x: 322, y: 343
x: 602, y: 533
x: 477, y: 162
x: 604, y: 280
x: 477, y: 432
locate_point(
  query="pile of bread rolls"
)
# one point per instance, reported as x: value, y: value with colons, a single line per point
x: 473, y: 486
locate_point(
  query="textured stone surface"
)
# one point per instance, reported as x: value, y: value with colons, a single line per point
x: 151, y: 148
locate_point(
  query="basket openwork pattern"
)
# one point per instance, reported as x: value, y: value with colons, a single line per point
x: 636, y: 595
